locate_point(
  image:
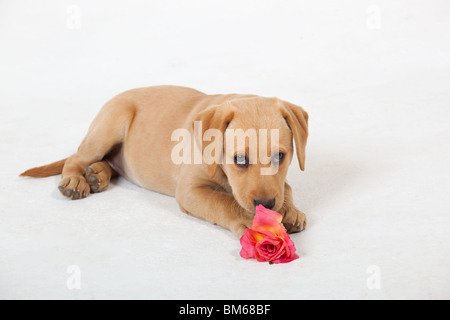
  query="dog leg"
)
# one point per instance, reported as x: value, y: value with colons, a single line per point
x: 293, y: 219
x: 108, y: 129
x: 217, y: 207
x: 98, y: 175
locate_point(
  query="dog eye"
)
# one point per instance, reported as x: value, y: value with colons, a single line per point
x: 241, y: 160
x: 278, y: 158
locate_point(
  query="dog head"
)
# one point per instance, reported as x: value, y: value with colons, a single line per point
x: 255, y: 147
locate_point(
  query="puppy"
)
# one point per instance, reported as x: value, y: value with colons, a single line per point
x: 157, y: 138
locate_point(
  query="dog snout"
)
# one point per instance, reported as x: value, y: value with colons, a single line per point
x: 267, y: 203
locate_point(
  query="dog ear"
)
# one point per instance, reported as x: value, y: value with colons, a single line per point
x: 297, y: 119
x: 215, y: 117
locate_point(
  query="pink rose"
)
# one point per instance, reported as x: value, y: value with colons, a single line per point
x: 267, y: 240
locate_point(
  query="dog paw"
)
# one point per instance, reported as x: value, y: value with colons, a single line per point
x: 97, y: 179
x: 74, y: 187
x: 294, y: 220
x: 239, y: 228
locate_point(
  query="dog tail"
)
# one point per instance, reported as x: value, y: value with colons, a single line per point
x: 45, y: 171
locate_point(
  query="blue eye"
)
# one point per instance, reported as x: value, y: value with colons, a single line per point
x: 278, y: 158
x: 241, y: 160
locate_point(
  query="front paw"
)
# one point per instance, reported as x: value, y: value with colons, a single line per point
x: 239, y: 228
x: 294, y: 220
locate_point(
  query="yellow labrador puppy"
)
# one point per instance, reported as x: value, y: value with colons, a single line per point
x: 146, y: 136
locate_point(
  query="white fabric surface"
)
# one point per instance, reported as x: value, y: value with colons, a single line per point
x: 373, y: 75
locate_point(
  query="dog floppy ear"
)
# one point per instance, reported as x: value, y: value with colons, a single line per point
x: 297, y: 119
x: 216, y: 120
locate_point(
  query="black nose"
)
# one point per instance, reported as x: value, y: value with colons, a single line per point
x: 269, y: 204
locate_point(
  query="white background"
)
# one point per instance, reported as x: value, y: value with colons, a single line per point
x: 373, y: 75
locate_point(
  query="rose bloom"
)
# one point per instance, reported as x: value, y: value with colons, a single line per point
x: 267, y: 240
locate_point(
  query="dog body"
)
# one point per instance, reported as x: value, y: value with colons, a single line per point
x: 133, y: 136
x: 146, y: 119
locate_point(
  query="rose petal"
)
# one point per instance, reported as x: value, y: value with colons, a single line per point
x: 267, y: 240
x: 268, y: 220
x: 275, y: 243
x: 289, y: 253
x: 248, y: 243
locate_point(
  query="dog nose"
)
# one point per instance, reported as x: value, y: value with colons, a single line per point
x: 267, y: 203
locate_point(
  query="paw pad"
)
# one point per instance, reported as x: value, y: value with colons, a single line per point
x: 96, y: 179
x: 74, y: 187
